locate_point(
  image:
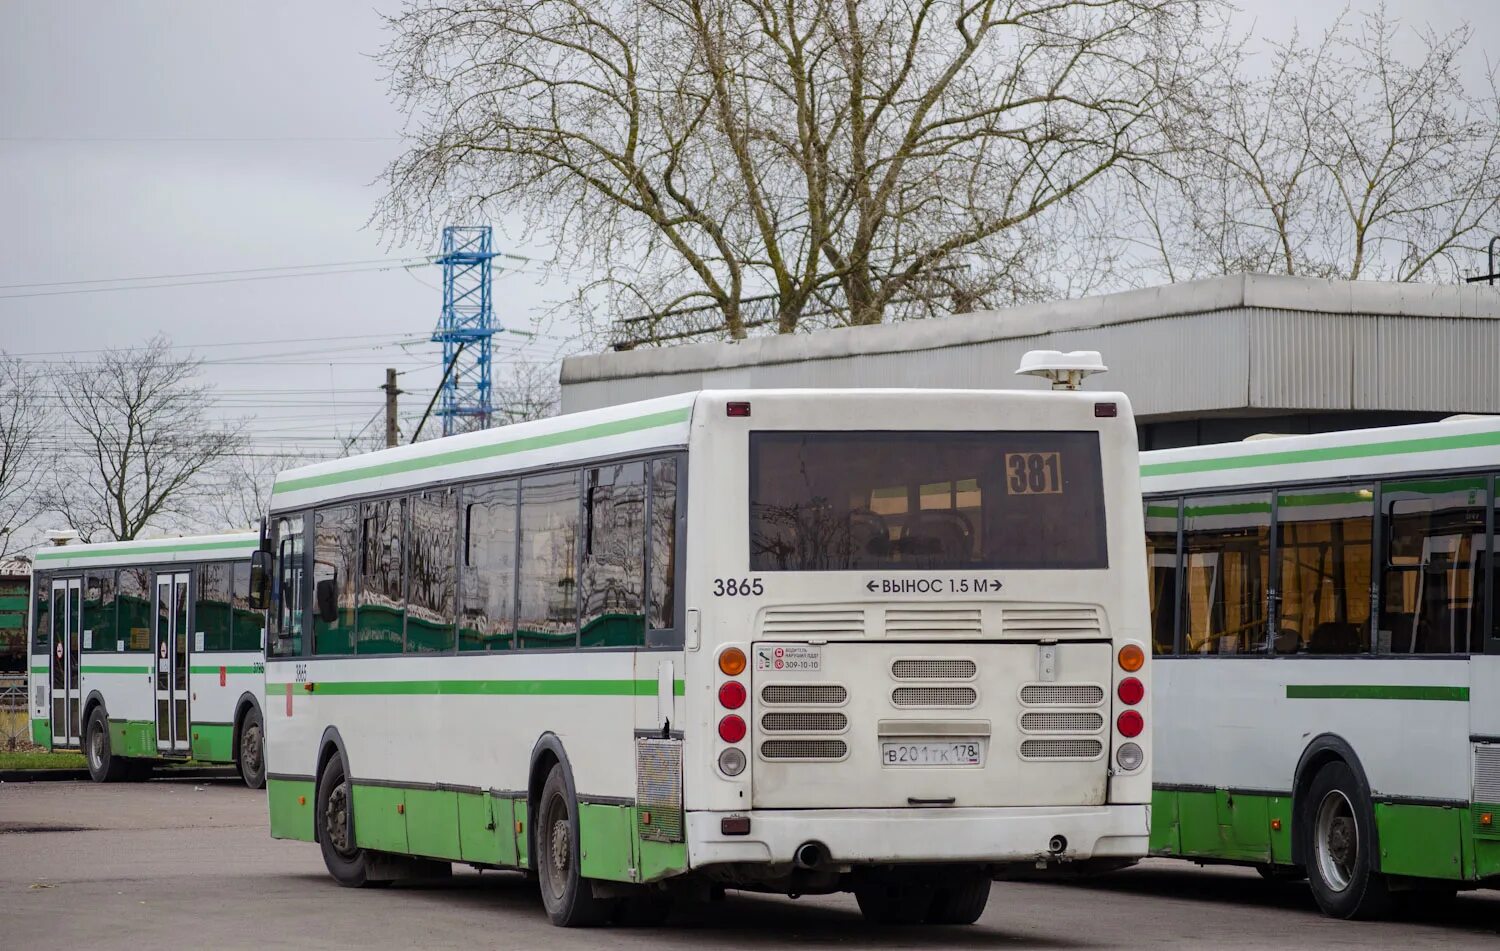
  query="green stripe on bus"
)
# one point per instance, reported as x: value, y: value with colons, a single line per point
x: 164, y: 549
x: 91, y: 669
x: 1325, y: 454
x: 40, y: 670
x: 525, y: 444
x: 1374, y: 692
x: 244, y: 669
x: 537, y: 688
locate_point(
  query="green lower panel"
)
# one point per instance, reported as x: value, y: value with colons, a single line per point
x: 486, y: 829
x: 606, y: 835
x: 135, y: 738
x: 432, y: 823
x: 291, y: 805
x: 660, y: 860
x: 523, y: 859
x: 1422, y: 841
x: 1234, y: 827
x: 213, y: 742
x: 41, y: 732
x: 1486, y: 859
x: 379, y: 820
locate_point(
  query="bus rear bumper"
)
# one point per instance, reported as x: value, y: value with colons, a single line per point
x: 881, y: 836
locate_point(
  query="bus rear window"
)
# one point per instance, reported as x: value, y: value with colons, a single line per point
x: 893, y: 501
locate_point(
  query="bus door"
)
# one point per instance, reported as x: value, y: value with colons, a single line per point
x: 171, y: 653
x: 66, y: 619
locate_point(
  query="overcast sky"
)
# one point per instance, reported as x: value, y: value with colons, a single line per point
x: 167, y: 138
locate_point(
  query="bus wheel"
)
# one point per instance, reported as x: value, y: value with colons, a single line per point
x: 568, y: 896
x: 1340, y: 851
x: 103, y: 766
x: 252, y: 754
x: 346, y: 862
x: 961, y: 900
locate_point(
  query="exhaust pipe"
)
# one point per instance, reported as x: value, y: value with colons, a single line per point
x: 809, y: 855
x: 1057, y: 845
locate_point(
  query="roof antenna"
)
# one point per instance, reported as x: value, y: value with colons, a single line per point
x: 1067, y: 371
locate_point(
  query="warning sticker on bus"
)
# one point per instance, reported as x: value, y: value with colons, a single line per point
x: 788, y: 657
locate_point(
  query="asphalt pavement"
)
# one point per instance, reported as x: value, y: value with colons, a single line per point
x: 189, y: 863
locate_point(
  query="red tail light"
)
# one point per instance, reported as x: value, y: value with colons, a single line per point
x: 732, y: 695
x: 1129, y: 723
x: 732, y: 729
x: 1130, y: 691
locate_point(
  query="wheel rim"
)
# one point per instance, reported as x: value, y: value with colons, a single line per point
x: 96, y: 748
x: 250, y: 746
x: 557, y: 852
x: 336, y: 819
x: 1336, y: 840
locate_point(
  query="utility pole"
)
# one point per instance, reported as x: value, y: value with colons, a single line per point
x: 391, y: 392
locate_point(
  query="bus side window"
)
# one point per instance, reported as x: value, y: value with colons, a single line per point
x: 284, y: 639
x: 1432, y: 583
x: 1324, y: 536
x: 487, y: 589
x: 611, y: 594
x: 41, y: 627
x: 661, y: 584
x: 380, y: 620
x: 213, y: 607
x: 1226, y: 561
x: 1161, y: 572
x: 546, y: 597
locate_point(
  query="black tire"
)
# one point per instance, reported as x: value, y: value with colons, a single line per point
x: 961, y: 900
x: 251, y: 754
x: 568, y: 896
x: 104, y: 766
x: 347, y: 862
x: 1339, y: 844
x: 1281, y: 873
x: 894, y: 902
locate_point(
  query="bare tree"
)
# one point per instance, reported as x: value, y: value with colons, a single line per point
x: 1342, y: 159
x: 827, y: 160
x: 528, y: 391
x: 26, y: 422
x: 244, y: 491
x: 144, y: 448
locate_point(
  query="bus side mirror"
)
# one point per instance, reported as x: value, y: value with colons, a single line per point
x: 326, y: 598
x: 260, y: 580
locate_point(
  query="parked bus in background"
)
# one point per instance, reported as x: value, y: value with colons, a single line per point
x: 795, y: 641
x: 1328, y: 696
x: 147, y: 652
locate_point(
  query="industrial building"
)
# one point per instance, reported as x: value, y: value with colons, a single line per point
x: 1206, y: 361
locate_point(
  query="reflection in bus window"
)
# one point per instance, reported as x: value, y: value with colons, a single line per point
x: 41, y: 614
x: 285, y: 637
x: 382, y: 594
x: 1432, y: 597
x: 99, y: 611
x: 547, y: 609
x: 662, y: 612
x: 614, y: 557
x: 487, y: 614
x: 134, y: 601
x: 1324, y: 538
x: 1161, y: 572
x: 213, y: 607
x: 431, y: 543
x: 247, y: 623
x: 334, y: 550
x: 1226, y: 545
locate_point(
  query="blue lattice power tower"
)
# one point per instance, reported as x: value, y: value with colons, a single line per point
x: 466, y: 328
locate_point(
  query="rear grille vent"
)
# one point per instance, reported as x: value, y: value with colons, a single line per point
x: 934, y: 696
x: 804, y: 694
x: 1487, y: 773
x: 932, y: 621
x: 1071, y: 695
x: 1049, y: 622
x: 803, y: 749
x: 1059, y: 722
x: 934, y: 669
x: 804, y: 722
x: 1061, y: 749
x: 813, y: 622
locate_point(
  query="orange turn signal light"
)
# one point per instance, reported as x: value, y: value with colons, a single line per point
x: 1275, y: 825
x: 1486, y: 818
x: 1132, y: 658
x: 732, y: 661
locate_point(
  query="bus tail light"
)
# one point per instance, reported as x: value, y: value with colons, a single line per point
x: 1130, y: 691
x: 1130, y: 723
x: 732, y: 729
x: 1129, y: 757
x: 1132, y: 658
x: 732, y: 695
x: 732, y: 661
x: 732, y: 762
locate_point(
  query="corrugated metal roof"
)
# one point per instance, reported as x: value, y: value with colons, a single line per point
x: 1249, y: 342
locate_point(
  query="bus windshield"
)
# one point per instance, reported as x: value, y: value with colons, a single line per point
x: 891, y: 501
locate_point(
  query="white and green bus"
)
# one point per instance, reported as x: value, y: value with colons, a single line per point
x: 1328, y: 684
x: 147, y: 652
x: 796, y: 641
